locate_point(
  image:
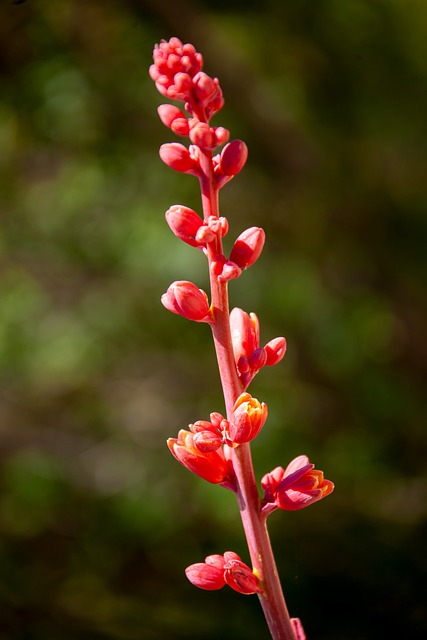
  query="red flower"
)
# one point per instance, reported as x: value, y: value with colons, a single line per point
x: 249, y: 416
x: 296, y: 487
x: 211, y: 465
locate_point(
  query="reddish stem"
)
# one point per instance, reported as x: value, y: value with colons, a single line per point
x: 254, y: 524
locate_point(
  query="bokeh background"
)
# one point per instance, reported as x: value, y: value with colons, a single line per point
x: 97, y: 520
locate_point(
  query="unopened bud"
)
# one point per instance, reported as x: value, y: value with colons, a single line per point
x: 233, y: 157
x: 185, y: 223
x: 248, y: 247
x: 216, y: 418
x: 216, y: 560
x: 185, y: 299
x: 205, y: 235
x: 258, y: 359
x: 204, y: 86
x: 206, y: 441
x: 205, y: 576
x: 275, y: 350
x: 201, y: 425
x: 178, y: 157
x: 203, y: 136
x: 182, y: 86
x: 222, y: 135
x: 244, y: 333
x: 168, y: 113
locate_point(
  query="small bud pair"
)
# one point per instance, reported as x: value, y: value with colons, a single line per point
x: 206, y: 137
x: 174, y: 118
x: 217, y: 571
x: 189, y: 227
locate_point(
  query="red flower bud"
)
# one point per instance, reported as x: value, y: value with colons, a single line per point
x: 225, y: 270
x: 206, y: 441
x: 216, y: 560
x: 205, y: 87
x: 181, y: 89
x: 222, y: 135
x: 258, y: 359
x: 248, y: 247
x: 275, y: 350
x: 178, y: 158
x: 202, y: 425
x: 185, y: 223
x: 203, y: 136
x: 233, y: 157
x: 185, y: 299
x: 205, y: 576
x: 168, y: 113
x: 249, y: 416
x: 244, y: 333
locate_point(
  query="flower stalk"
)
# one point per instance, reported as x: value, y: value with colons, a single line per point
x: 218, y: 450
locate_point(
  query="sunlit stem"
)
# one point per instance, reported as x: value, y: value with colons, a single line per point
x: 254, y: 524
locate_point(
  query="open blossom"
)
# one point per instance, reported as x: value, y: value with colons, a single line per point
x: 218, y: 570
x: 295, y: 487
x: 211, y: 465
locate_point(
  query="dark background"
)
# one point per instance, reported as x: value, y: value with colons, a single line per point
x: 97, y: 520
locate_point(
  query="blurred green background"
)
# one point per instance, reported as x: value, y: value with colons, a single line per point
x: 97, y: 520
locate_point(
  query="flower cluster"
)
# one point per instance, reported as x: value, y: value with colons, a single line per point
x: 203, y: 449
x: 217, y: 449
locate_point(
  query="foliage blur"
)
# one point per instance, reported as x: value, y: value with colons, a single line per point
x: 97, y: 520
